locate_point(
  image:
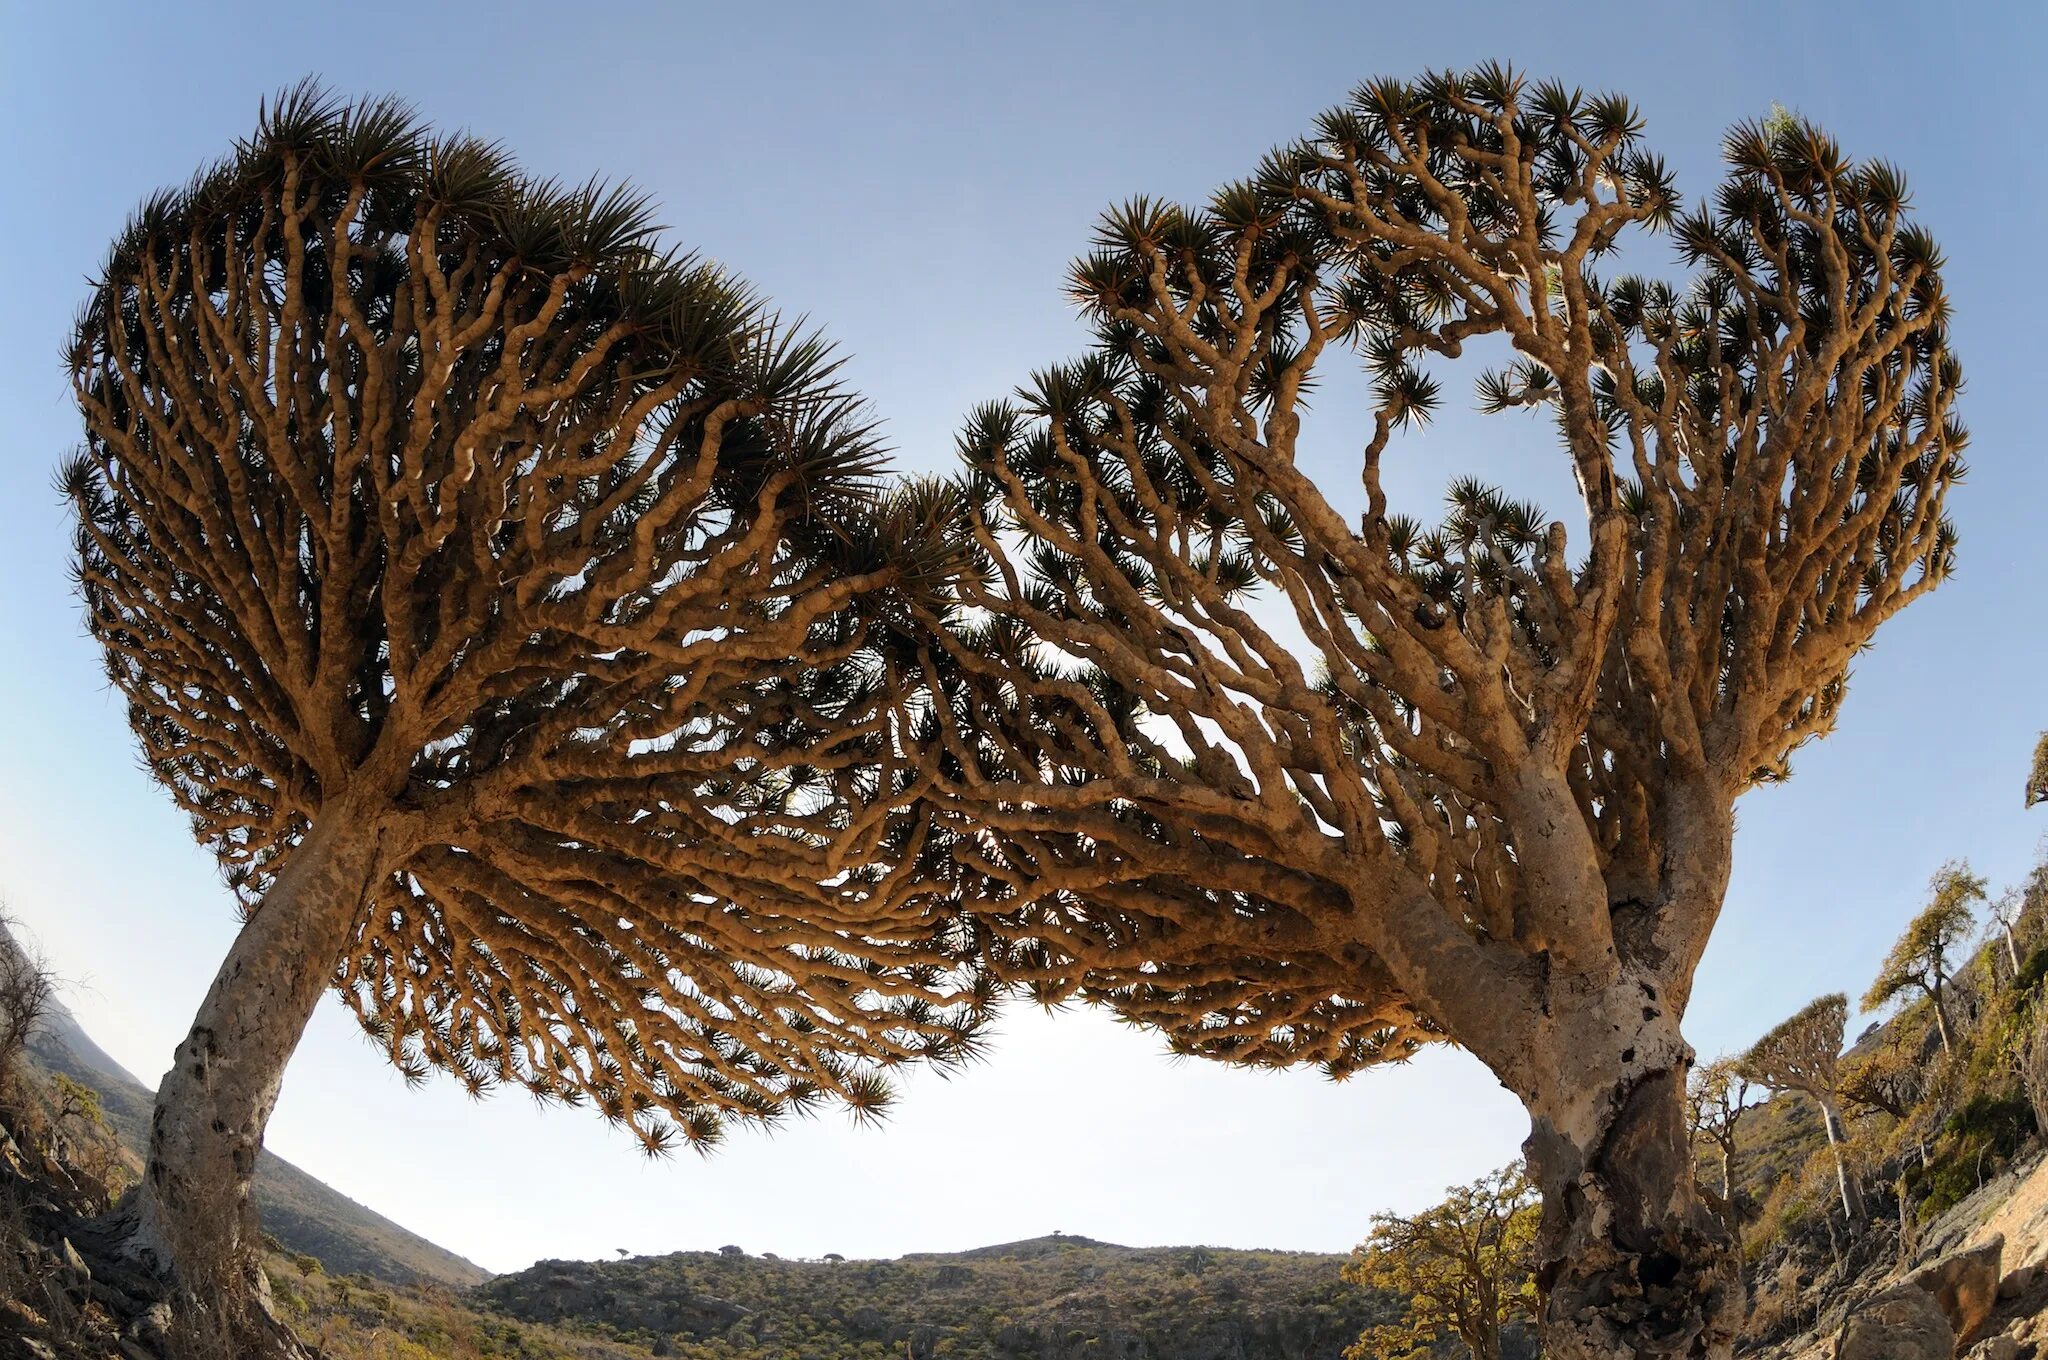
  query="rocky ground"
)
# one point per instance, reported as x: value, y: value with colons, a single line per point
x: 1977, y: 1286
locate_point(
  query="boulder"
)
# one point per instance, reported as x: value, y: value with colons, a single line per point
x: 2018, y: 1281
x: 2000, y: 1347
x: 1902, y: 1323
x: 1965, y: 1284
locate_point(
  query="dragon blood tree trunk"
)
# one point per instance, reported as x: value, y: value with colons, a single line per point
x: 1631, y: 1261
x: 191, y: 1221
x: 1850, y: 1186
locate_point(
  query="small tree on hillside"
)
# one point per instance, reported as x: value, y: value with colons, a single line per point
x: 28, y: 989
x: 1890, y: 1080
x: 2037, y: 778
x: 1804, y: 1054
x: 2005, y: 911
x: 1717, y: 1096
x: 1924, y: 956
x: 1494, y: 803
x: 1462, y: 1269
x: 497, y: 595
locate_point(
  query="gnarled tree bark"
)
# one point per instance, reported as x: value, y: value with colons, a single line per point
x: 191, y: 1220
x: 1632, y: 1262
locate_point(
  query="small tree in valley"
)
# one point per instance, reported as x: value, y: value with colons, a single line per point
x: 1717, y: 1095
x: 1461, y: 1270
x: 496, y: 594
x: 1804, y: 1054
x: 1494, y: 803
x: 1925, y: 955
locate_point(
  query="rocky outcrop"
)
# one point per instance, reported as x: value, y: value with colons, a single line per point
x: 1903, y: 1323
x: 1965, y: 1285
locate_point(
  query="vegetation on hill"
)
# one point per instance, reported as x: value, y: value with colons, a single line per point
x: 1046, y: 1297
x: 353, y: 1317
x: 1920, y: 1128
x: 1844, y: 1170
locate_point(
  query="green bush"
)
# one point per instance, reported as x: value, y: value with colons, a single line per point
x: 1974, y: 1143
x: 2031, y: 972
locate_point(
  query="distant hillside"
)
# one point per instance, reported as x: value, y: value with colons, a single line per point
x: 1048, y: 1298
x: 299, y: 1211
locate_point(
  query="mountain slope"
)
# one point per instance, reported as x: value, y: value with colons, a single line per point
x: 303, y: 1213
x: 1043, y: 1299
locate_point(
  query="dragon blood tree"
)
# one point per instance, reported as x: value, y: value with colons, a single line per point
x: 496, y: 596
x: 1493, y: 803
x: 1804, y: 1053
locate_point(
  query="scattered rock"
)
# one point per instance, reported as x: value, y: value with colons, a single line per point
x: 1903, y: 1323
x: 2018, y: 1280
x: 1999, y: 1347
x: 1965, y: 1284
x: 72, y: 1266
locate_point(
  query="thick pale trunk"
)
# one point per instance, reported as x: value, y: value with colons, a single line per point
x: 191, y: 1220
x: 1852, y: 1189
x: 1632, y: 1263
x: 1730, y: 1215
x: 1940, y: 1017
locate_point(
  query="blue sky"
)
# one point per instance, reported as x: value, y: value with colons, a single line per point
x: 915, y: 178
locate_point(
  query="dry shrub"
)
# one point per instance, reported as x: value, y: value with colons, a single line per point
x: 28, y: 988
x: 1778, y: 1307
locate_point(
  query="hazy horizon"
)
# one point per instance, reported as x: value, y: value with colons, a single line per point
x: 916, y: 179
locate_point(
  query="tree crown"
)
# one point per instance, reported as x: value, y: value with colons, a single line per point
x: 1501, y: 762
x: 1922, y: 956
x: 420, y: 491
x: 1463, y: 1268
x: 1717, y: 1096
x: 1802, y: 1053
